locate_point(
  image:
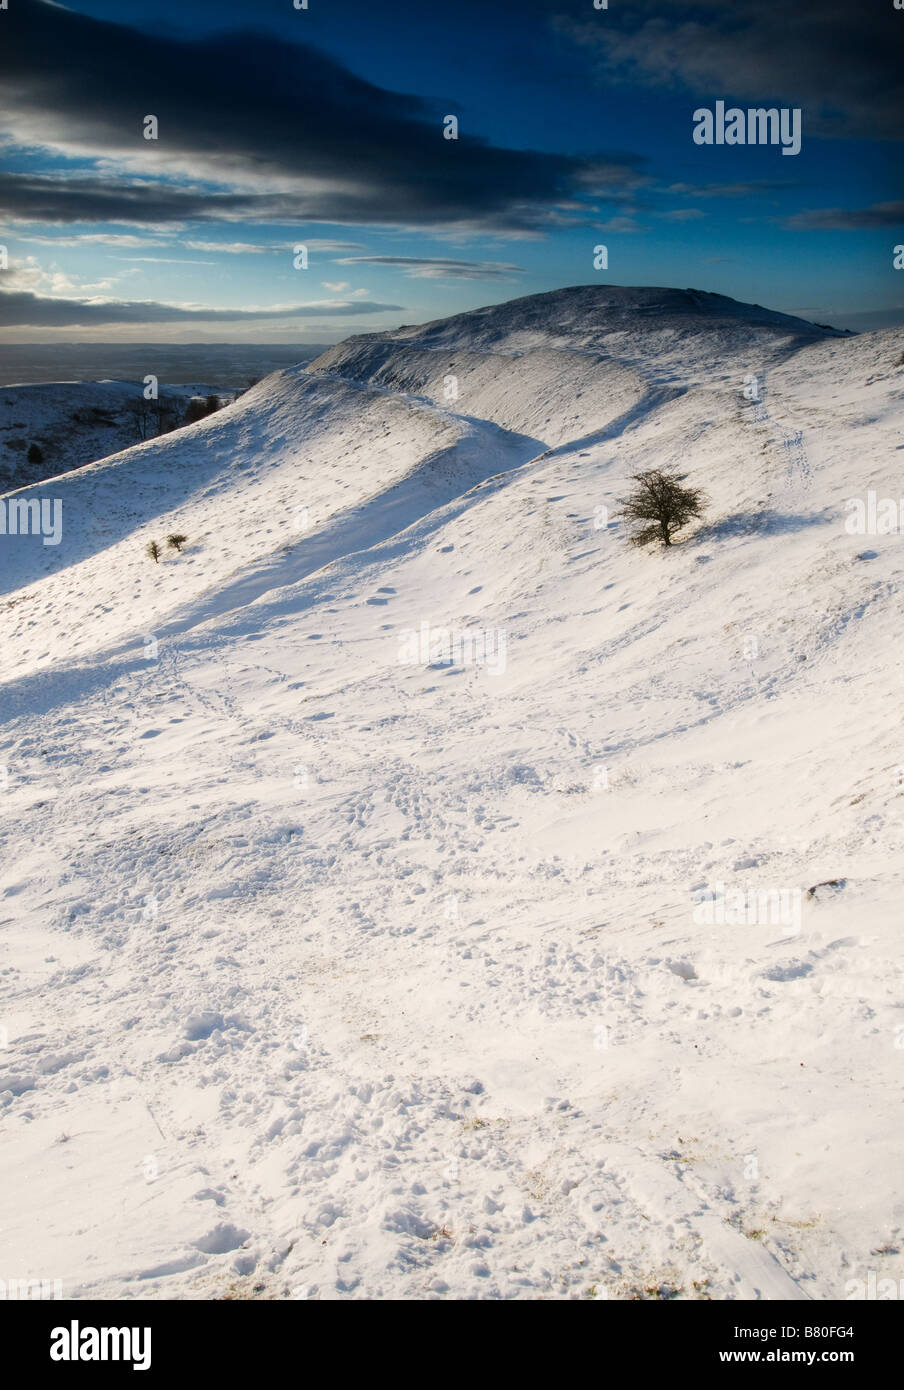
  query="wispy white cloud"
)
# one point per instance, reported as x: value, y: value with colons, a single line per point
x: 116, y: 239
x: 439, y: 267
x: 235, y: 248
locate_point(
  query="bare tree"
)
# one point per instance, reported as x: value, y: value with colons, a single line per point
x: 140, y: 410
x: 660, y: 505
x: 166, y: 416
x: 153, y: 549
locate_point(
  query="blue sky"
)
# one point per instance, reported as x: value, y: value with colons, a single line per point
x: 324, y: 127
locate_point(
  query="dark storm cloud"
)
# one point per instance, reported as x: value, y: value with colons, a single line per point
x: 46, y: 198
x: 247, y: 111
x: 19, y: 309
x: 838, y: 60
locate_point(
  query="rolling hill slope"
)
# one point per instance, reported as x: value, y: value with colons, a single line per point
x: 334, y: 970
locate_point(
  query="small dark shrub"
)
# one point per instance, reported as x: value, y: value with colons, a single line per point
x: 660, y: 505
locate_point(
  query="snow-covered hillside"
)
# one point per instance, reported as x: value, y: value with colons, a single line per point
x: 76, y: 422
x: 334, y: 971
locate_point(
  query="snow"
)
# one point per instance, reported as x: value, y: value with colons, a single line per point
x: 328, y: 976
x: 74, y: 423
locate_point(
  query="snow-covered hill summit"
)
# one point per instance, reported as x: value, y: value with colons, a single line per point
x: 336, y: 968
